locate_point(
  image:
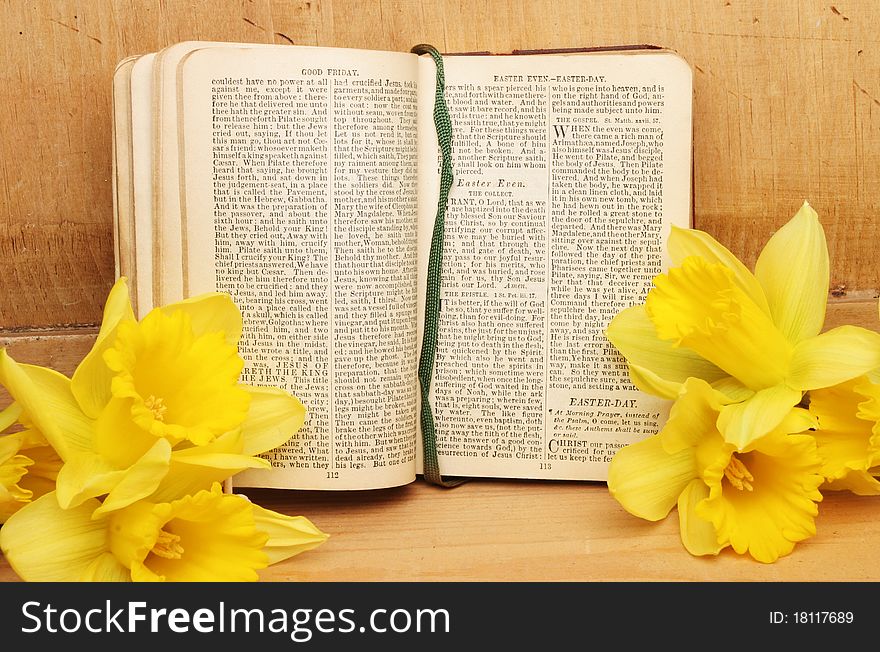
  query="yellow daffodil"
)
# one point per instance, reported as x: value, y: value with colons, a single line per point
x: 28, y: 465
x: 760, y: 499
x: 848, y: 435
x: 754, y: 337
x: 13, y: 467
x: 174, y: 383
x: 155, y: 409
x: 28, y: 468
x: 208, y: 536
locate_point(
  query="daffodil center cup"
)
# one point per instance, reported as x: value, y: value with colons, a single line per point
x: 700, y: 306
x: 182, y: 385
x: 210, y: 536
x: 133, y: 532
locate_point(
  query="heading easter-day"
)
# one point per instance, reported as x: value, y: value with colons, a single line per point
x: 598, y: 79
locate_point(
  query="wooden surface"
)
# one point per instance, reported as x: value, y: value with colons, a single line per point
x: 489, y: 530
x: 787, y: 107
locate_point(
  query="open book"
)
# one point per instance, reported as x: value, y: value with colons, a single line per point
x: 305, y: 182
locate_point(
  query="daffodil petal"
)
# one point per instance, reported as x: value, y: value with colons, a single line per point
x: 646, y: 480
x: 860, y: 483
x: 184, y: 479
x: 743, y: 423
x: 697, y: 534
x: 139, y: 480
x: 36, y: 485
x: 117, y: 438
x: 10, y: 445
x: 88, y: 475
x: 693, y: 242
x: 9, y: 416
x: 868, y: 392
x: 211, y: 312
x: 793, y: 270
x: 9, y: 504
x: 834, y: 357
x: 106, y: 568
x: 225, y: 461
x: 198, y: 468
x: 733, y: 389
x: 634, y: 335
x: 273, y: 418
x: 71, y: 425
x: 700, y: 306
x: 14, y: 469
x: 798, y: 420
x: 44, y: 462
x: 44, y: 543
x: 288, y: 535
x: 85, y: 476
x: 45, y: 397
x: 183, y: 385
x: 692, y: 417
x: 91, y: 380
x: 649, y: 382
x: 229, y: 442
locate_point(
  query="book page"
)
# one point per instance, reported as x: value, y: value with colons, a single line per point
x: 124, y: 244
x: 569, y: 170
x: 142, y: 179
x: 300, y: 200
x: 169, y: 235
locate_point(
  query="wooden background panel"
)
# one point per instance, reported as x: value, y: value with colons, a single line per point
x: 787, y: 108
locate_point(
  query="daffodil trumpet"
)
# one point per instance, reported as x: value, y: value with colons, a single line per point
x: 848, y: 435
x: 206, y: 537
x: 759, y: 499
x: 28, y: 465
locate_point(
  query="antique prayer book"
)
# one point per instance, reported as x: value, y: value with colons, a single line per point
x: 305, y: 181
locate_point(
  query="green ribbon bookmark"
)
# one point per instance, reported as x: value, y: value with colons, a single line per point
x: 443, y: 125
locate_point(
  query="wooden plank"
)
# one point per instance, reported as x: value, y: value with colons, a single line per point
x: 59, y: 350
x: 503, y: 531
x: 787, y: 108
x: 859, y: 313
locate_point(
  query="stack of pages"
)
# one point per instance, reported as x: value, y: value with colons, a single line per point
x: 305, y: 181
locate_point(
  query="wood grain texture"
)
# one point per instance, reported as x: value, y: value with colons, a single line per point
x: 521, y: 530
x: 787, y: 108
